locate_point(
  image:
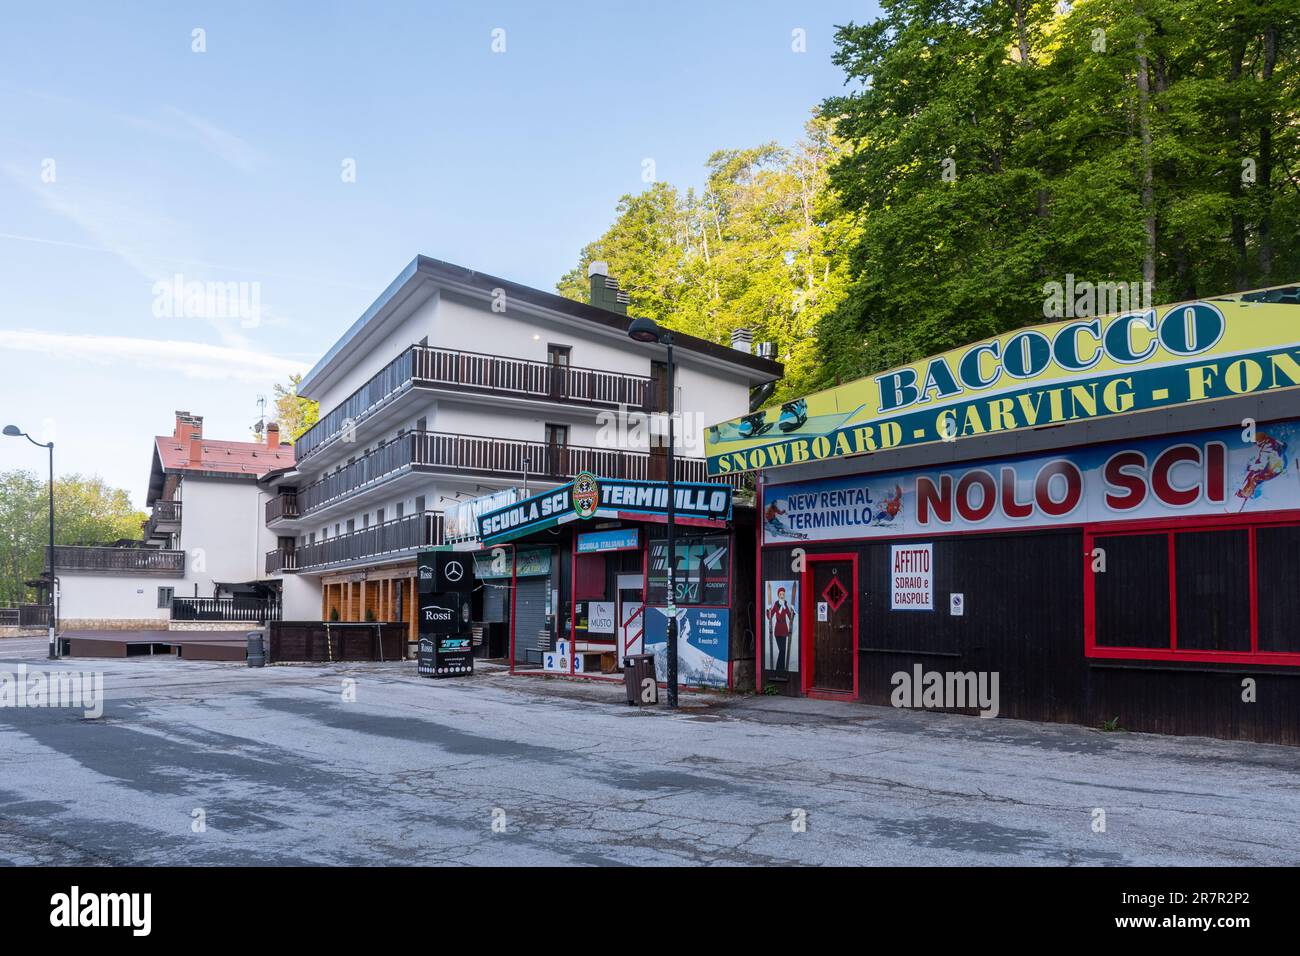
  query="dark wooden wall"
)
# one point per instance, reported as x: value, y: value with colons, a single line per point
x: 1024, y: 619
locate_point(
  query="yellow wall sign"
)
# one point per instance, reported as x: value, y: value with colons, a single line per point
x: 1041, y: 375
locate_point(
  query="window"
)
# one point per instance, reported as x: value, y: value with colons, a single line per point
x: 559, y: 354
x: 701, y: 573
x: 352, y: 525
x: 365, y: 520
x: 165, y: 596
x: 422, y: 424
x: 379, y: 516
x: 401, y: 509
x: 419, y: 505
x: 557, y: 435
x: 1210, y: 594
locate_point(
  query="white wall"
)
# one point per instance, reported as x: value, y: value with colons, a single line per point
x: 223, y: 534
x: 104, y: 597
x: 300, y: 598
x: 705, y: 394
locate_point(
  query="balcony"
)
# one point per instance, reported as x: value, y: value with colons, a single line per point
x: 425, y: 367
x: 152, y: 561
x: 382, y: 541
x: 164, y: 521
x: 488, y: 457
x: 282, y: 506
x: 241, y: 609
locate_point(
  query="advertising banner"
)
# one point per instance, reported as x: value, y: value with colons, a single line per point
x: 590, y: 497
x: 619, y: 539
x: 781, y: 626
x: 460, y: 519
x: 444, y: 571
x: 911, y: 577
x: 703, y: 644
x: 527, y: 563
x: 1226, y: 472
x: 1042, y: 375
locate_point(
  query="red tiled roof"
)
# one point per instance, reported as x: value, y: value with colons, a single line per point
x: 234, y: 457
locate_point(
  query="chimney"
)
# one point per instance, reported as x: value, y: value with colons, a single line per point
x: 604, y: 290
x: 767, y: 350
x: 273, y: 435
x: 742, y: 339
x: 187, y: 426
x: 196, y: 450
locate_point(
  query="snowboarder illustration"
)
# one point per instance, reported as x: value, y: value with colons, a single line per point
x: 1269, y: 462
x: 892, y: 505
x: 772, y: 519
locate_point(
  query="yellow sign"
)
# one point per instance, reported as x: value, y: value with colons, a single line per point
x: 1049, y: 374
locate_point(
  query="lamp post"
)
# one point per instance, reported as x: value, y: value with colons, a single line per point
x: 647, y: 330
x: 13, y: 431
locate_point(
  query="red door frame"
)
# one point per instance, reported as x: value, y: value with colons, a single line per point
x: 806, y: 628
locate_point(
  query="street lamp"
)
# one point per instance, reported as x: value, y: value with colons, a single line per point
x: 647, y: 330
x: 13, y: 431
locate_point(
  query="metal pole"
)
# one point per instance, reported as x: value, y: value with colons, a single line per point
x: 54, y: 649
x: 672, y: 556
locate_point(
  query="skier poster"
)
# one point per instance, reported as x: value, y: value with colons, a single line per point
x: 781, y: 626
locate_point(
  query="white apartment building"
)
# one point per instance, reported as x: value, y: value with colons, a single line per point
x: 455, y: 385
x: 201, y: 560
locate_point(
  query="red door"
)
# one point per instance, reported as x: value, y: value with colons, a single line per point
x: 830, y: 642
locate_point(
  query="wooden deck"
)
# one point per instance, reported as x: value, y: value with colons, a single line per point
x: 195, y: 645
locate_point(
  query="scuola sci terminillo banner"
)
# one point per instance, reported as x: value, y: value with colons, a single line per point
x: 590, y: 497
x: 1225, y: 472
x: 1043, y: 375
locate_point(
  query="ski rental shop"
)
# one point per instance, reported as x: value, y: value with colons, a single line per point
x: 1092, y: 521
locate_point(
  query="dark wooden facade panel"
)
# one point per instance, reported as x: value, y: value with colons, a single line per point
x: 1024, y: 619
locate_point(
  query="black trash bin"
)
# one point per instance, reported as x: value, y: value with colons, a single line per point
x: 256, y: 649
x: 639, y: 679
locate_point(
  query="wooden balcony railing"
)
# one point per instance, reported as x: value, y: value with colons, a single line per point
x: 422, y: 366
x: 411, y: 533
x: 164, y: 520
x: 119, y: 560
x: 242, y: 609
x: 25, y: 615
x: 283, y: 505
x: 496, y: 457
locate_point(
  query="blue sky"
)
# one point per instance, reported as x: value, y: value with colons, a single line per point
x: 126, y: 159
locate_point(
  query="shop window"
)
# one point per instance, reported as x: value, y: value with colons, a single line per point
x: 1215, y: 595
x: 701, y: 572
x: 1213, y: 590
x: 1278, y: 571
x: 1136, y: 567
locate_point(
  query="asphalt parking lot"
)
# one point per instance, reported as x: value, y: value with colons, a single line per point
x: 205, y: 763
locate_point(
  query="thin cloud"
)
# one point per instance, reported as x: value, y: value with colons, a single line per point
x: 191, y: 359
x: 220, y: 142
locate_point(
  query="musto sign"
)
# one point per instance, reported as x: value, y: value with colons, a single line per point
x: 1043, y: 375
x: 1224, y: 472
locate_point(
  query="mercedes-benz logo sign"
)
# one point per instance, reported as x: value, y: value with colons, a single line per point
x: 453, y: 571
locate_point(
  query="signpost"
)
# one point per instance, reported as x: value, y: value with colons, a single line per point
x: 445, y: 581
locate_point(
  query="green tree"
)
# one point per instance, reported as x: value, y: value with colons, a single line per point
x: 294, y: 413
x: 995, y: 146
x: 760, y: 247
x: 86, y: 511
